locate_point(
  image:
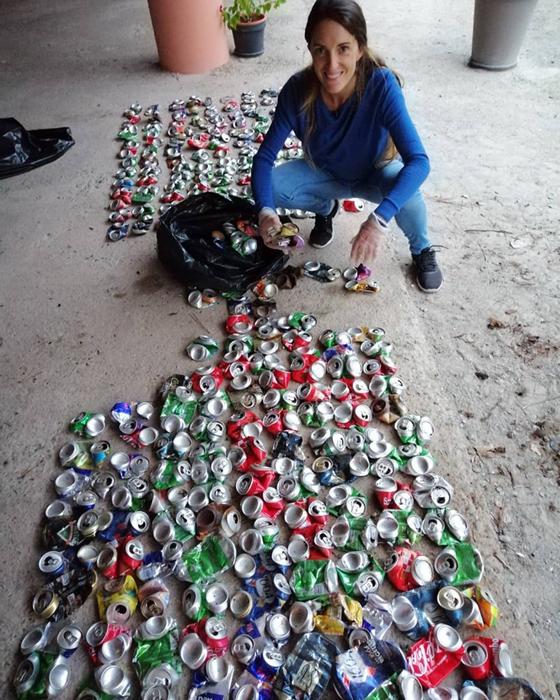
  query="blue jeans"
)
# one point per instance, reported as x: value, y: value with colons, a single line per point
x: 297, y: 185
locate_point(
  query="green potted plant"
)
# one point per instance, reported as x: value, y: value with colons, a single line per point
x: 247, y: 19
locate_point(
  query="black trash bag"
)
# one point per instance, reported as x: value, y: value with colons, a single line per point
x: 22, y: 150
x: 187, y: 248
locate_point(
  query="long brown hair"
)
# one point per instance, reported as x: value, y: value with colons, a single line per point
x: 349, y: 15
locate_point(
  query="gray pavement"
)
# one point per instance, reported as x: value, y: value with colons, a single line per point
x: 86, y: 323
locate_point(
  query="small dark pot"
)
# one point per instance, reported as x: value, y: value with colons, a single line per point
x: 249, y: 38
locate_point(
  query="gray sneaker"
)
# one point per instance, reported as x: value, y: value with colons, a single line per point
x: 428, y: 274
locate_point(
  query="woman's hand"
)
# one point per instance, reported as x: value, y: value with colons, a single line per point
x: 367, y: 244
x: 269, y: 226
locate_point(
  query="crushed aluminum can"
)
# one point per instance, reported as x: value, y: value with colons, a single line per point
x: 301, y: 617
x: 377, y: 615
x: 58, y: 677
x: 460, y: 564
x: 241, y: 605
x: 435, y: 656
x: 356, y: 506
x: 432, y: 491
x: 35, y: 640
x: 476, y: 660
x: 457, y: 524
x: 112, y: 680
x: 321, y: 271
x: 244, y: 649
x: 362, y: 669
x: 193, y: 651
x: 278, y: 627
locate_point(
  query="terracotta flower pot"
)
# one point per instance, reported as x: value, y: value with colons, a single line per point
x: 249, y: 38
x: 190, y: 34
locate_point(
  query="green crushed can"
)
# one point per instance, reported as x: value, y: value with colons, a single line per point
x: 314, y: 579
x: 78, y: 424
x: 31, y: 676
x: 208, y: 559
x: 175, y: 406
x: 460, y: 564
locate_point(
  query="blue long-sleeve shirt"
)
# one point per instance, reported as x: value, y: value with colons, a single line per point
x: 347, y: 142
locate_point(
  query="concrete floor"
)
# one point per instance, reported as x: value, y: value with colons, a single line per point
x: 86, y: 322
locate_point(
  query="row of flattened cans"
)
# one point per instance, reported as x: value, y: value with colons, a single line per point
x: 210, y: 129
x: 480, y: 656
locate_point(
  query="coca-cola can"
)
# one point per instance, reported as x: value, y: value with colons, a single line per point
x: 476, y: 660
x: 385, y: 488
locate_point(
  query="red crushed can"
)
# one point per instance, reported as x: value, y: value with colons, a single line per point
x: 499, y: 657
x: 436, y: 655
x: 322, y: 547
x: 476, y: 660
x: 362, y: 415
x: 353, y: 205
x: 213, y: 633
x: 399, y: 568
x: 236, y: 421
x: 273, y: 422
x: 303, y: 339
x: 239, y: 324
x: 99, y: 633
x: 282, y: 376
x: 129, y: 431
x: 385, y: 488
x: 256, y: 448
x: 387, y: 365
x: 251, y: 458
x: 107, y: 562
x: 226, y: 367
x: 299, y: 369
x: 311, y: 393
x: 272, y: 508
x: 131, y: 555
x: 207, y: 378
x: 266, y: 477
x: 258, y: 482
x: 217, y: 375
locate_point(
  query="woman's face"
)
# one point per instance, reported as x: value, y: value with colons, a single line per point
x: 335, y: 53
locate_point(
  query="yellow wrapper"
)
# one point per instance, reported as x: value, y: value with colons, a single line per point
x: 127, y: 594
x: 353, y: 611
x: 342, y: 612
x: 328, y: 625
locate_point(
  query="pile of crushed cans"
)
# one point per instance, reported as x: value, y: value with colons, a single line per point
x: 206, y: 148
x: 313, y: 551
